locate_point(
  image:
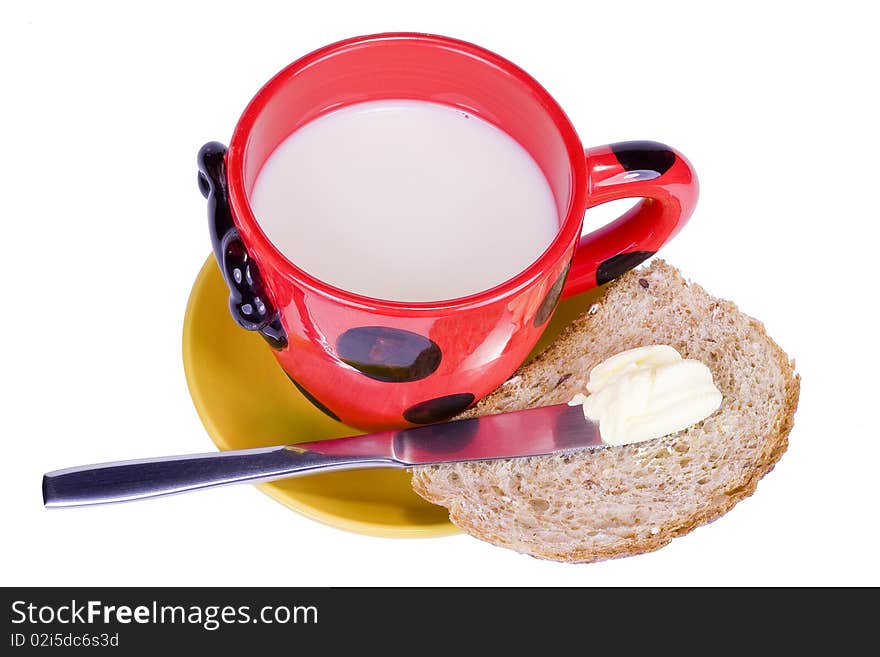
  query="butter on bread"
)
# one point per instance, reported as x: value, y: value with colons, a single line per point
x: 646, y: 393
x: 629, y: 499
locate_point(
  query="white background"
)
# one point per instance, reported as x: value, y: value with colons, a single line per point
x: 103, y: 231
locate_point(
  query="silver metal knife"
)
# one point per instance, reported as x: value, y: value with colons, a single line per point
x: 532, y: 432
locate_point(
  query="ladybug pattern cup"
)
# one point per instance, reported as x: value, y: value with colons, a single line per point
x: 381, y: 364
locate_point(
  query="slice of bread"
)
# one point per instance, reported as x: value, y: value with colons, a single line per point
x: 620, y: 501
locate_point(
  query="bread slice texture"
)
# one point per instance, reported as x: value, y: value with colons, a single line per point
x: 620, y: 501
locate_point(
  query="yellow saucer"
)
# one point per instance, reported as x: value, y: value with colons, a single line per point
x: 244, y: 400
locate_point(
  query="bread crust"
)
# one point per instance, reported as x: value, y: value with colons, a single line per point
x: 463, y: 514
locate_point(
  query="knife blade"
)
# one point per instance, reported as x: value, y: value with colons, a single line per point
x: 531, y: 432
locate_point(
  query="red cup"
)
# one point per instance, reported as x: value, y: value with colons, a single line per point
x: 375, y: 363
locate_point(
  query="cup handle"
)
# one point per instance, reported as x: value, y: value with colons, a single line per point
x: 668, y: 186
x: 249, y: 303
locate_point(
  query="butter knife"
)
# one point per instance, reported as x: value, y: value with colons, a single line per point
x: 532, y: 432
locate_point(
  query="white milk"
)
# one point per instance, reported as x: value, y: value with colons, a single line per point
x: 405, y: 200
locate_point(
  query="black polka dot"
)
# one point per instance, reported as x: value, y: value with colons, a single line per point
x: 313, y: 399
x: 620, y: 264
x: 644, y: 156
x: 274, y: 334
x: 642, y: 174
x: 204, y: 184
x: 389, y: 354
x: 548, y: 305
x: 247, y: 297
x: 439, y: 409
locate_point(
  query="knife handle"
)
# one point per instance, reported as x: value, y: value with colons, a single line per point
x: 125, y: 481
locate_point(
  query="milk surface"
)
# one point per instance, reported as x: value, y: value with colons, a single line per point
x: 405, y: 200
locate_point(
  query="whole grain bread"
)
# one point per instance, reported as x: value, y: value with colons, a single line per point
x: 621, y: 501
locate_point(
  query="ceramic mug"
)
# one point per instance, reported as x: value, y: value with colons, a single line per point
x: 377, y: 364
